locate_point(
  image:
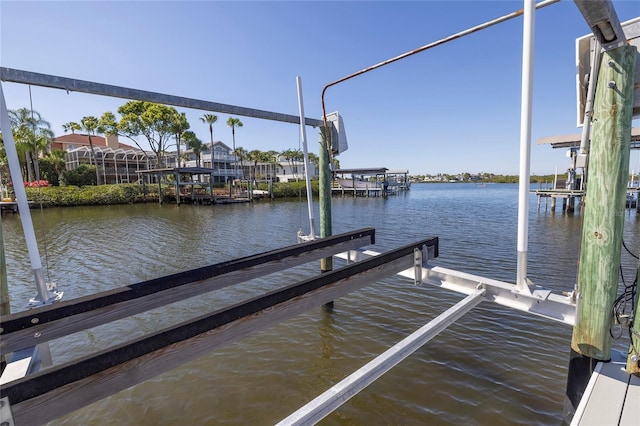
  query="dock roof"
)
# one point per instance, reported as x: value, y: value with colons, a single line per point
x: 367, y: 171
x: 573, y: 140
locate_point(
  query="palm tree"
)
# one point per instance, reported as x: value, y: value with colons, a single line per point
x: 89, y: 124
x: 233, y: 123
x: 192, y: 142
x: 255, y: 156
x: 179, y: 125
x: 240, y: 153
x: 313, y: 158
x: 271, y: 157
x: 32, y: 135
x: 292, y: 155
x: 71, y: 126
x: 210, y: 119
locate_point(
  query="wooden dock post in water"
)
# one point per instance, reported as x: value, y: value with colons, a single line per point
x: 603, y: 218
x: 326, y: 264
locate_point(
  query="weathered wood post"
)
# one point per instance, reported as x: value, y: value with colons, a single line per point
x: 324, y: 163
x: 159, y: 189
x: 603, y: 218
x: 633, y: 359
x: 176, y: 176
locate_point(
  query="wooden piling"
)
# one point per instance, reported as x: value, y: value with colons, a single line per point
x: 603, y: 219
x: 324, y: 164
x: 606, y: 197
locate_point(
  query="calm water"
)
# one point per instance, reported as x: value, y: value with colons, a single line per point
x: 494, y: 366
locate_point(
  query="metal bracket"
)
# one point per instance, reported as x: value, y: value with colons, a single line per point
x: 53, y: 296
x: 529, y: 290
x: 6, y: 418
x: 417, y: 266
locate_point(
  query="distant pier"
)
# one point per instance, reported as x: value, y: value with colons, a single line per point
x: 572, y: 197
x: 8, y: 206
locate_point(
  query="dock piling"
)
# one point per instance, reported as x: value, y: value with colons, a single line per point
x: 603, y: 218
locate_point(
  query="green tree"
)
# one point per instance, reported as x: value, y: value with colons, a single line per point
x: 210, y: 119
x: 255, y: 156
x: 90, y: 125
x: 50, y: 168
x: 292, y: 156
x: 32, y: 135
x: 192, y: 142
x: 233, y: 123
x: 71, y: 126
x: 336, y: 163
x: 313, y: 158
x: 240, y: 153
x: 179, y: 126
x: 82, y: 175
x: 153, y: 121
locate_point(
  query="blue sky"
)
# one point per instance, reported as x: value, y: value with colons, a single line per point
x: 452, y: 109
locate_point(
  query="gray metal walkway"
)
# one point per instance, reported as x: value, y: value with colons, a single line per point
x: 612, y: 397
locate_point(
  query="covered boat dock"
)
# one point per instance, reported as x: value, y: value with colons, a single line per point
x: 196, y: 189
x: 568, y: 190
x: 369, y: 182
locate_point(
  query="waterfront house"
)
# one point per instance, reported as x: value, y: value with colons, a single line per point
x: 116, y: 161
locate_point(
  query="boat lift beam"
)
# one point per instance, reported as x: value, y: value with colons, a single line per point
x: 73, y: 85
x: 603, y: 20
x: 541, y: 302
x: 337, y: 395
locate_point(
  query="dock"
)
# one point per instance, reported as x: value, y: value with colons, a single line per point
x: 570, y: 196
x: 612, y: 396
x: 369, y: 182
x: 8, y: 206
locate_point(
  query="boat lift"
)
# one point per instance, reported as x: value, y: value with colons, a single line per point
x: 80, y: 382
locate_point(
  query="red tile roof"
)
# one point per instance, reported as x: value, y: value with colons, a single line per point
x: 80, y: 139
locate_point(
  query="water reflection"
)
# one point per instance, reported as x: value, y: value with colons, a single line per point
x: 493, y: 367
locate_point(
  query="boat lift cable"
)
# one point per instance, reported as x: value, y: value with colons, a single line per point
x: 428, y: 46
x: 523, y: 284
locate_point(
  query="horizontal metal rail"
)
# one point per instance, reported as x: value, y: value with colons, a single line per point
x: 80, y: 382
x: 83, y: 86
x: 35, y: 326
x: 559, y: 308
x: 337, y: 395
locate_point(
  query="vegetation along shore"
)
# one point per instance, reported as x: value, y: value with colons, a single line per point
x: 72, y: 195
